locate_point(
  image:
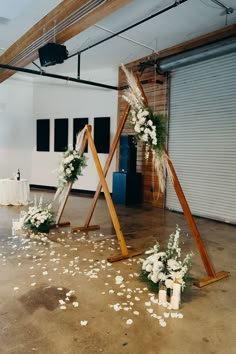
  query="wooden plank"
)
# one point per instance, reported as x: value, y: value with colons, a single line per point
x: 191, y: 223
x: 63, y: 202
x: 48, y: 22
x: 108, y: 163
x: 209, y: 280
x: 110, y: 204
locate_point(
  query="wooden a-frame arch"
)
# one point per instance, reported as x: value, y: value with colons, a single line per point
x: 212, y: 276
x: 124, y: 250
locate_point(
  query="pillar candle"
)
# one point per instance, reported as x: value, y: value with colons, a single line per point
x: 174, y: 302
x: 175, y: 298
x: 162, y: 296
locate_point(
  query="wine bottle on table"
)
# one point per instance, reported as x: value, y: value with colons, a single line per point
x: 18, y: 175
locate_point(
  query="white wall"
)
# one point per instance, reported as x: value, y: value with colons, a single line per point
x: 59, y: 99
x: 16, y: 127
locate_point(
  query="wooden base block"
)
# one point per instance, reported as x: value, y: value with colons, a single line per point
x: 85, y: 228
x: 209, y: 280
x: 119, y: 257
x: 61, y: 224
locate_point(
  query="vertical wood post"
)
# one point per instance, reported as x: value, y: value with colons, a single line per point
x: 64, y: 201
x: 107, y: 164
x: 190, y: 221
x: 110, y: 204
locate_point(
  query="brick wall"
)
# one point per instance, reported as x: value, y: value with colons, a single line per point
x: 157, y: 98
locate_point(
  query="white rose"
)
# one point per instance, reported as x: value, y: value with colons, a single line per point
x: 148, y: 268
x: 154, y: 277
x: 137, y: 128
x: 145, y: 137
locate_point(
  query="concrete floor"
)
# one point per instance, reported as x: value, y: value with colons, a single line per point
x: 36, y: 274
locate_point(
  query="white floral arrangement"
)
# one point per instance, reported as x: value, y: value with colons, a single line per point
x: 38, y: 218
x: 166, y: 267
x: 71, y: 166
x: 150, y: 128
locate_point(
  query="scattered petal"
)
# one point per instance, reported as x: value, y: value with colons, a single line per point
x: 83, y: 323
x: 162, y: 323
x: 150, y: 310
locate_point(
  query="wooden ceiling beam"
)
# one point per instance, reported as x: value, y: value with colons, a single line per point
x: 48, y: 22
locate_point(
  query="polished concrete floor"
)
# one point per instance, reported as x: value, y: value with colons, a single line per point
x: 59, y: 295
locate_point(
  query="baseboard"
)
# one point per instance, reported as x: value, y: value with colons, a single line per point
x: 53, y: 189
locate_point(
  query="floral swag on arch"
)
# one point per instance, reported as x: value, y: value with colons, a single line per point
x: 150, y: 128
x: 70, y: 167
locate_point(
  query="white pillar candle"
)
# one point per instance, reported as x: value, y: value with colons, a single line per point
x: 176, y: 289
x: 162, y: 296
x: 175, y: 298
x: 174, y: 302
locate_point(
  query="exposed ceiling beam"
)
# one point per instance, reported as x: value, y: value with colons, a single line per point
x: 25, y: 49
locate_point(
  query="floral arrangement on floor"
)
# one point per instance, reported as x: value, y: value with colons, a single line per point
x: 70, y: 168
x: 166, y: 267
x: 39, y: 218
x: 150, y: 128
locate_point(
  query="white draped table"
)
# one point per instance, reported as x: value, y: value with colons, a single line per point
x: 14, y: 192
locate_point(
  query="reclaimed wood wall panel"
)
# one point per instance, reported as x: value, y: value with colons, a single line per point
x: 157, y: 99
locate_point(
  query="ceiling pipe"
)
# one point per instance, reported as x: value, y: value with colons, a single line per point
x: 228, y: 10
x: 55, y: 76
x: 175, y: 4
x: 212, y: 50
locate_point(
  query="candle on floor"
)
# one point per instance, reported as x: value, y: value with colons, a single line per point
x: 175, y: 298
x: 162, y: 297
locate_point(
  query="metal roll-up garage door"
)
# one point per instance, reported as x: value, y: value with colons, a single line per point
x: 202, y: 137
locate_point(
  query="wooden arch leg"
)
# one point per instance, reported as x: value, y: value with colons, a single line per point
x: 67, y: 193
x: 123, y: 247
x: 212, y: 275
x: 105, y: 170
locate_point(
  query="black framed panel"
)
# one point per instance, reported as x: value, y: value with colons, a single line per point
x: 78, y: 125
x: 42, y: 134
x: 102, y: 134
x: 60, y: 134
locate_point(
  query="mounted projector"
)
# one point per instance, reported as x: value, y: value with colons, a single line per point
x: 52, y: 53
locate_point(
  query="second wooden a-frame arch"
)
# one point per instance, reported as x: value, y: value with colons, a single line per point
x: 212, y: 275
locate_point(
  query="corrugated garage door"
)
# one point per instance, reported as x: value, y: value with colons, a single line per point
x: 202, y: 137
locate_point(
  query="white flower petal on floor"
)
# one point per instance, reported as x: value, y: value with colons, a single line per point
x: 162, y: 323
x: 150, y: 310
x: 75, y: 303
x: 129, y: 321
x: 117, y: 307
x: 84, y: 323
